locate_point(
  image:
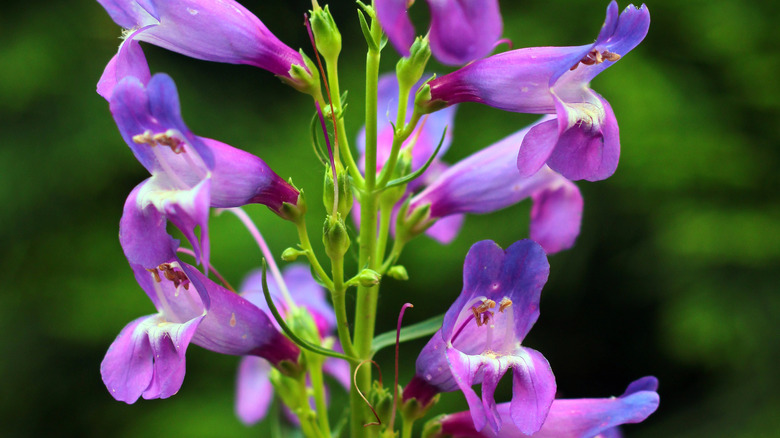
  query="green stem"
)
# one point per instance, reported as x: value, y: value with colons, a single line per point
x: 341, y: 133
x: 399, y: 138
x: 318, y: 385
x: 303, y: 235
x: 385, y: 214
x: 338, y: 296
x: 406, y: 430
x: 365, y: 310
x: 395, y: 254
x: 305, y: 414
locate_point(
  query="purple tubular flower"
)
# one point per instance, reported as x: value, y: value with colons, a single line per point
x: 221, y: 31
x: 571, y: 418
x: 488, y: 181
x: 481, y: 337
x: 583, y: 141
x: 253, y: 389
x: 148, y: 357
x: 461, y: 30
x: 189, y: 173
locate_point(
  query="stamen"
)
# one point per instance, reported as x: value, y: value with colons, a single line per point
x: 397, y: 344
x: 596, y: 57
x: 176, y: 145
x: 155, y: 274
x: 145, y: 138
x: 505, y: 302
x: 478, y: 311
x: 178, y: 278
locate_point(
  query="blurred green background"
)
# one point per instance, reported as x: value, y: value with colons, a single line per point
x: 675, y: 272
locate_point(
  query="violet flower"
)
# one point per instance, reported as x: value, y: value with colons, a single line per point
x: 481, y: 338
x: 148, y: 357
x: 583, y: 141
x: 570, y: 418
x: 221, y: 31
x: 254, y: 392
x: 189, y: 173
x: 461, y: 30
x: 488, y: 181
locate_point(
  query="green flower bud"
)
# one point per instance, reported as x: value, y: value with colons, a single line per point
x: 335, y: 237
x: 345, y: 191
x: 432, y: 428
x: 302, y: 324
x: 291, y: 254
x: 368, y: 278
x: 410, y: 70
x: 326, y: 33
x: 398, y: 272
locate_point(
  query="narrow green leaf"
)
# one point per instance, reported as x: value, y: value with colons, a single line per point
x: 406, y: 179
x: 367, y: 32
x: 315, y: 141
x: 286, y: 329
x: 414, y: 331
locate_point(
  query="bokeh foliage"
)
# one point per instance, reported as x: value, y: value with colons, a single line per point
x: 675, y: 272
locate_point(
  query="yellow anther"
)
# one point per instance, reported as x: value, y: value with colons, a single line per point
x: 505, y: 302
x: 145, y: 138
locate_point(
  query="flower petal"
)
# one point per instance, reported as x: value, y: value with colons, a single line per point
x: 254, y: 392
x: 142, y: 233
x: 394, y: 18
x: 556, y: 216
x: 464, y: 30
x: 240, y: 178
x: 446, y: 229
x: 128, y: 365
x: 533, y: 391
x: 464, y: 369
x: 129, y: 61
x: 169, y: 343
x: 588, y: 151
x: 221, y: 31
x: 536, y: 147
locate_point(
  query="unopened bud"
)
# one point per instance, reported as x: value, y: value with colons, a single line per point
x: 409, y: 70
x: 292, y: 254
x: 326, y: 33
x: 335, y: 237
x: 369, y: 277
x: 432, y: 428
x: 345, y: 191
x: 398, y: 272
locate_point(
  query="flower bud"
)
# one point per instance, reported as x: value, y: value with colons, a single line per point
x: 345, y: 191
x: 410, y: 69
x: 335, y: 237
x: 398, y: 272
x: 326, y: 33
x: 292, y: 254
x: 368, y: 278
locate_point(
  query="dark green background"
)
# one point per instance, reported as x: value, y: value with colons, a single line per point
x: 675, y: 272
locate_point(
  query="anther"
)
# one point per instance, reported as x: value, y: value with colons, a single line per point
x: 596, y: 57
x: 177, y: 277
x: 176, y: 145
x: 481, y: 313
x: 155, y: 274
x: 145, y: 138
x: 505, y: 302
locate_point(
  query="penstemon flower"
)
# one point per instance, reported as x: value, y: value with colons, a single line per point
x: 488, y: 181
x: 148, y: 357
x: 481, y: 338
x: 189, y: 173
x: 461, y: 30
x: 583, y: 141
x: 485, y: 182
x: 254, y: 392
x: 221, y: 31
x: 570, y: 418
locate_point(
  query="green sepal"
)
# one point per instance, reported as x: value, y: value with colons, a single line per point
x: 305, y: 79
x: 432, y: 428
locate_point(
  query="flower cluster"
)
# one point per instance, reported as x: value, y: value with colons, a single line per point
x: 293, y: 327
